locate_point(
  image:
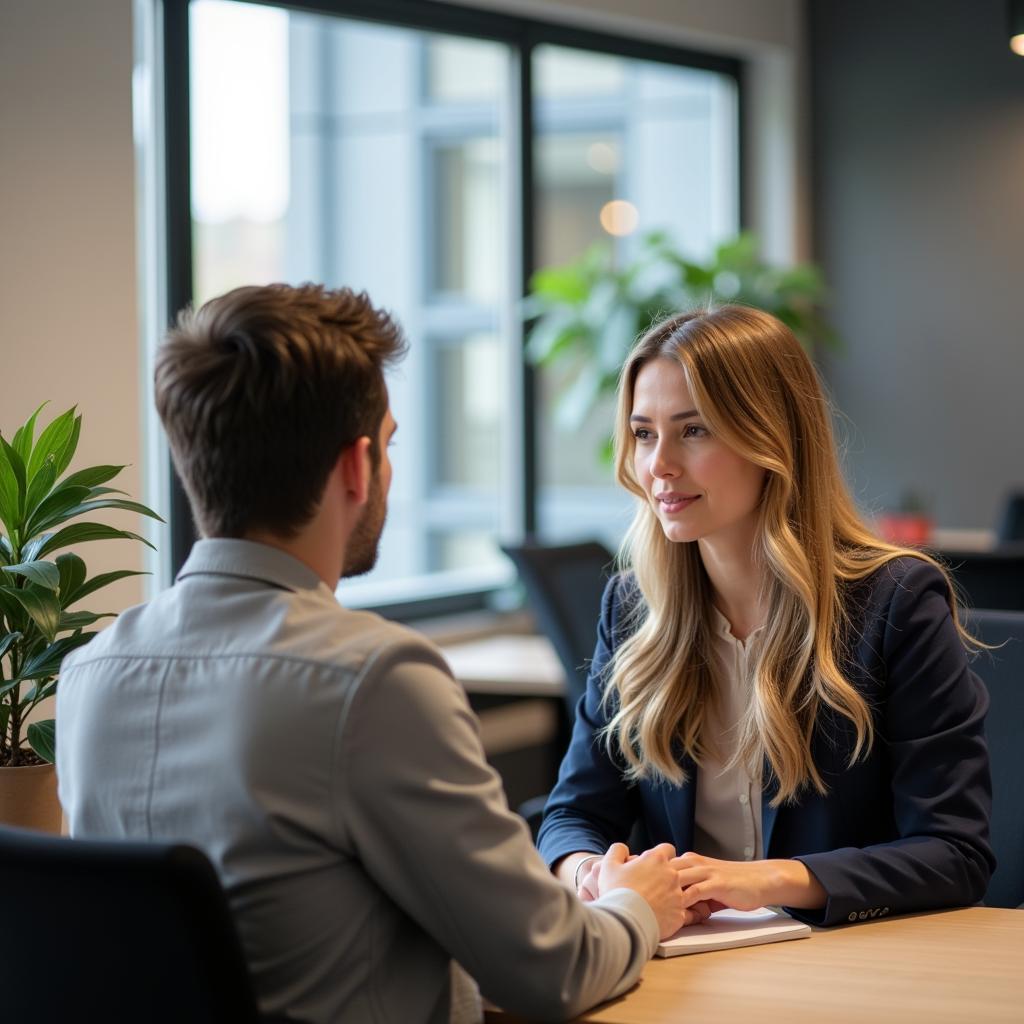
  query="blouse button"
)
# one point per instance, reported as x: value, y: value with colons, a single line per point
x: 748, y: 852
x: 744, y: 799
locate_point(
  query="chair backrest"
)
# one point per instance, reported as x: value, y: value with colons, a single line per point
x: 989, y: 579
x: 1011, y: 522
x: 1002, y: 671
x: 118, y: 931
x: 563, y: 585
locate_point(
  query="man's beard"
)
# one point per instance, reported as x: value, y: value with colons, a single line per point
x: 363, y: 544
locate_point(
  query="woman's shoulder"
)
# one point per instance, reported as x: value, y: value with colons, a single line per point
x: 622, y: 602
x: 895, y: 590
x: 902, y: 574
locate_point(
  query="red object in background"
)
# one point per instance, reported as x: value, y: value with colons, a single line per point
x: 909, y: 528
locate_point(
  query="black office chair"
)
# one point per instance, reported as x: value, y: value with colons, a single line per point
x: 1011, y: 521
x: 989, y: 579
x: 563, y: 585
x: 1002, y: 671
x: 116, y: 931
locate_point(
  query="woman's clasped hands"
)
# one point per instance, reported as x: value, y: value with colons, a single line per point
x: 689, y: 887
x: 654, y: 875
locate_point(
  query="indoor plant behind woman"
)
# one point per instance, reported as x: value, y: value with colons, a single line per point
x: 39, y: 582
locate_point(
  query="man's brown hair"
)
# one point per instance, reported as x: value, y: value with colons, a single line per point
x: 261, y: 389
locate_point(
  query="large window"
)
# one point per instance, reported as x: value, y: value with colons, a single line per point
x: 435, y: 162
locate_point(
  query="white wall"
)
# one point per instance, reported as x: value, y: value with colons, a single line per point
x: 67, y: 239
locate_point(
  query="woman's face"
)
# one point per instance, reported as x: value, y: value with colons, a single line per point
x: 700, y: 488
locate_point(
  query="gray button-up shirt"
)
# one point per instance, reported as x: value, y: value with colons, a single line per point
x: 331, y: 768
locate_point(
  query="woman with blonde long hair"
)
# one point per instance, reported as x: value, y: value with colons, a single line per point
x: 776, y: 692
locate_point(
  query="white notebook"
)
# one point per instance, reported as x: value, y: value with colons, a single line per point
x: 729, y: 929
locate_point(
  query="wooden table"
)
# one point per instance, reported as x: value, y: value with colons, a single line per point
x: 952, y: 967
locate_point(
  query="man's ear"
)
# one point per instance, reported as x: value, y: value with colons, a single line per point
x: 355, y: 468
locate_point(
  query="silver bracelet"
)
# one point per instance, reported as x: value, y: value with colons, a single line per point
x: 576, y: 876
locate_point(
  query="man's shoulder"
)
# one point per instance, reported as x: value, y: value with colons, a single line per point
x: 379, y: 642
x: 306, y: 626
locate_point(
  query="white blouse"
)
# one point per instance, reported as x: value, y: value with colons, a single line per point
x: 727, y: 821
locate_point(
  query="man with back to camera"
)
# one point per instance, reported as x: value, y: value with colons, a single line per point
x: 324, y: 759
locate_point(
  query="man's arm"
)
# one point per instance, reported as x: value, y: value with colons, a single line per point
x: 428, y: 819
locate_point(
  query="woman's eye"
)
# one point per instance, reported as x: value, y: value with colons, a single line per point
x: 642, y: 434
x: 694, y: 430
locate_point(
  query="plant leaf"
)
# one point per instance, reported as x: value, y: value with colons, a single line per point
x: 30, y: 552
x: 6, y: 642
x: 41, y: 691
x: 12, y: 490
x: 25, y: 434
x: 92, y: 476
x: 54, y: 508
x: 96, y: 583
x: 41, y: 604
x: 67, y: 453
x: 129, y: 506
x: 566, y: 284
x: 79, y: 620
x: 42, y: 736
x: 72, y: 576
x: 45, y: 574
x: 96, y: 492
x: 48, y: 661
x: 38, y: 489
x: 78, y: 533
x: 578, y: 398
x: 616, y: 337
x: 11, y: 610
x: 51, y: 444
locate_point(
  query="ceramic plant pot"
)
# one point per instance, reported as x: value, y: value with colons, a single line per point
x: 28, y: 798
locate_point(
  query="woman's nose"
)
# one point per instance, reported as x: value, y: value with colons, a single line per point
x: 663, y: 465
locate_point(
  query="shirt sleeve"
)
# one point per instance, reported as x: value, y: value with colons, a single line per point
x: 428, y: 819
x: 930, y: 726
x: 591, y: 806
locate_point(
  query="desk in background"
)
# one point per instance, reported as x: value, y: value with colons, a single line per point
x: 516, y: 686
x: 511, y: 664
x: 951, y: 967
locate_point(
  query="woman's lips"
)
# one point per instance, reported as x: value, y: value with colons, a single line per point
x: 673, y: 502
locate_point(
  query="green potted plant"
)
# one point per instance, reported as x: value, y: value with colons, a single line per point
x: 39, y: 584
x: 586, y: 315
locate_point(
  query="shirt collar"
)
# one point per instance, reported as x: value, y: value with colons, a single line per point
x: 224, y: 556
x: 720, y: 625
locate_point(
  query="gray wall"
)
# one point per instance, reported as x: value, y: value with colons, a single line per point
x: 918, y: 149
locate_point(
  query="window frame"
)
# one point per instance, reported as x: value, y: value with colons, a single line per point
x: 522, y: 35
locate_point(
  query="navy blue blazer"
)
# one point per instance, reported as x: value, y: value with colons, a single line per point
x: 905, y: 829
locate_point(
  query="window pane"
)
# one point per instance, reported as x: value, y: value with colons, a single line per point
x: 577, y: 176
x: 462, y: 549
x: 468, y: 404
x: 658, y: 152
x: 467, y: 229
x: 562, y: 73
x: 464, y: 70
x: 321, y: 152
x: 240, y: 144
